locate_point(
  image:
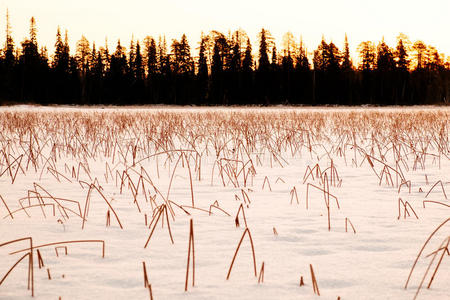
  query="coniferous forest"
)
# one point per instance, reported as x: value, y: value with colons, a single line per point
x: 224, y: 69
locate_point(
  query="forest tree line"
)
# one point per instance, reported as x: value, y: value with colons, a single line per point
x: 225, y: 72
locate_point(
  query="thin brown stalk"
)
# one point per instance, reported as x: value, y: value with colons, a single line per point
x: 191, y: 246
x: 314, y: 281
x: 246, y: 231
x: 261, y: 274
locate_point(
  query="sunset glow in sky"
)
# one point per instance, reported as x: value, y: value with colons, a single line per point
x: 361, y: 20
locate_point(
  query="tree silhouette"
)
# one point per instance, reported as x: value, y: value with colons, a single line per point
x: 402, y: 56
x: 263, y: 62
x: 222, y: 72
x: 385, y: 58
x: 150, y: 53
x: 247, y: 74
x: 202, y: 74
x: 347, y: 64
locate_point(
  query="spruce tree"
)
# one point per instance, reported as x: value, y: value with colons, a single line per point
x: 367, y: 55
x: 9, y: 56
x: 150, y: 53
x: 385, y: 58
x: 33, y: 31
x: 347, y: 64
x: 263, y: 63
x: 401, y: 57
x: 247, y: 63
x: 202, y: 74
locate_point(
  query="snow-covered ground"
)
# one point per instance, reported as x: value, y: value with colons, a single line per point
x: 65, y: 170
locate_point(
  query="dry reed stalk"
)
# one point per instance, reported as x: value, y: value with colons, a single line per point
x: 41, y: 202
x: 308, y: 172
x: 40, y: 260
x: 436, y: 202
x: 275, y: 232
x: 387, y: 176
x: 442, y: 186
x: 191, y: 244
x: 301, y: 283
x: 245, y: 197
x: 347, y: 220
x: 326, y: 196
x: 61, y: 243
x: 56, y: 174
x: 246, y: 231
x: 86, y: 171
x: 17, y: 160
x: 173, y: 174
x: 405, y: 207
x: 150, y: 291
x: 236, y: 220
x: 196, y: 208
x: 423, y: 248
x: 59, y: 247
x: 30, y: 262
x: 190, y: 179
x: 60, y: 206
x: 6, y: 206
x: 407, y: 183
x: 314, y: 281
x: 322, y: 190
x: 280, y: 179
x: 162, y: 209
x: 442, y: 248
x: 261, y: 274
x: 179, y: 206
x: 108, y: 218
x: 268, y: 183
x: 217, y: 207
x: 294, y: 193
x: 146, y: 283
x: 49, y: 276
x: 91, y: 187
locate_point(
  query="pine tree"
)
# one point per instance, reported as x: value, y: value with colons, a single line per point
x: 263, y: 63
x: 302, y: 63
x: 150, y: 53
x: 163, y: 58
x: 10, y: 59
x: 61, y: 55
x: 247, y: 63
x: 367, y: 55
x: 33, y: 31
x: 217, y: 62
x: 30, y: 64
x: 420, y: 57
x: 182, y: 55
x: 202, y: 74
x: 320, y: 56
x: 333, y: 58
x: 202, y: 62
x: 385, y: 58
x: 131, y: 58
x: 138, y: 65
x: 347, y: 64
x: 83, y: 54
x: 401, y: 56
x: 236, y: 60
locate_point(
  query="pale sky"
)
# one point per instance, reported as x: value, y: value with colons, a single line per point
x: 361, y: 20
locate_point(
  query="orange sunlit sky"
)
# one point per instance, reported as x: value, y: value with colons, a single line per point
x: 362, y: 20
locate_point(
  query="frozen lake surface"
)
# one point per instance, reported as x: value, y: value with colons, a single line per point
x: 350, y: 193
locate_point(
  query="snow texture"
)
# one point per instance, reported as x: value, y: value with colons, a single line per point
x: 70, y: 153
